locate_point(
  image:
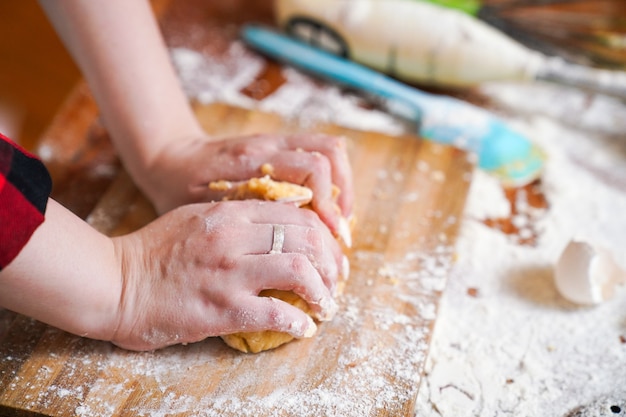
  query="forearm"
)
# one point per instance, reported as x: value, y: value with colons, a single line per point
x: 67, y: 276
x: 118, y: 46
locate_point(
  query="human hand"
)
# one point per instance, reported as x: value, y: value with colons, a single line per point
x: 155, y: 130
x: 197, y: 271
x: 181, y: 172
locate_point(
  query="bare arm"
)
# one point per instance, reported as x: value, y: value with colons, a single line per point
x: 67, y: 275
x: 194, y: 272
x: 118, y: 46
x: 197, y: 270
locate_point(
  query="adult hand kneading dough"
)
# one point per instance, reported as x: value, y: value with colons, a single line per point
x: 267, y: 189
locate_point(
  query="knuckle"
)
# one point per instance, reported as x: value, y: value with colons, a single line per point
x: 226, y: 262
x: 276, y: 316
x: 311, y: 217
x: 333, y: 143
x: 216, y: 231
x: 243, y: 318
x: 299, y: 264
x: 314, y: 239
x: 240, y: 148
x: 320, y: 163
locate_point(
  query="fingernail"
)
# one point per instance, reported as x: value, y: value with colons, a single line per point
x: 311, y: 328
x: 329, y: 309
x: 343, y: 231
x: 345, y: 268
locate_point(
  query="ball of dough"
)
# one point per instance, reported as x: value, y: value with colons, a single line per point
x: 254, y: 342
x: 266, y: 188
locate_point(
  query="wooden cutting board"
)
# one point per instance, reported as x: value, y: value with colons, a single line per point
x: 367, y: 362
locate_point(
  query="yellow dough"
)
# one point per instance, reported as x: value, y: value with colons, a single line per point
x: 265, y: 188
x: 254, y: 342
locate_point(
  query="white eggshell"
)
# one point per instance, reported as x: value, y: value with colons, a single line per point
x: 586, y: 273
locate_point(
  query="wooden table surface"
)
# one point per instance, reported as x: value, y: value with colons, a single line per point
x: 368, y: 361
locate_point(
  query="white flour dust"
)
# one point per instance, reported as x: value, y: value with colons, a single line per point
x: 506, y: 343
x: 206, y: 379
x: 369, y: 377
x: 207, y: 79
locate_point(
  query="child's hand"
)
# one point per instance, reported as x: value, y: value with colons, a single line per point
x: 197, y: 270
x: 181, y: 172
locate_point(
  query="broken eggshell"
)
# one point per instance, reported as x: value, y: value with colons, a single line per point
x: 586, y: 273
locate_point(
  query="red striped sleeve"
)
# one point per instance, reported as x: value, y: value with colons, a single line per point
x: 25, y: 186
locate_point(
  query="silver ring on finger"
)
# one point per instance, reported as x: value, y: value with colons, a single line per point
x: 278, y: 238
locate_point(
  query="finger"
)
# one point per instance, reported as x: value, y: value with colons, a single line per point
x: 317, y: 244
x: 334, y: 149
x: 320, y: 247
x: 293, y: 272
x: 311, y: 170
x: 271, y: 212
x: 273, y: 314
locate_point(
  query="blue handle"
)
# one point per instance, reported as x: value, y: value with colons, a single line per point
x: 501, y: 151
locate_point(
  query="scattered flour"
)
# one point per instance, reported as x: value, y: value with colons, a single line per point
x: 365, y: 376
x: 506, y: 343
x: 513, y: 346
x: 369, y: 378
x: 518, y: 348
x: 207, y: 79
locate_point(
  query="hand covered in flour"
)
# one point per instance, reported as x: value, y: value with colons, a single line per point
x: 197, y: 272
x: 119, y: 48
x: 182, y: 171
